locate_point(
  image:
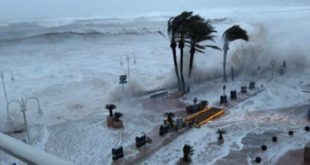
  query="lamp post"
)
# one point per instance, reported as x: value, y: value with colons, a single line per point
x: 23, y: 109
x: 273, y: 62
x: 128, y: 62
x: 2, y: 73
x: 128, y: 58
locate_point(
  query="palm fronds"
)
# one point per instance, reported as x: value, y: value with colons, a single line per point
x: 221, y: 131
x: 175, y: 23
x: 235, y: 32
x: 110, y: 107
x: 117, y: 116
x: 188, y: 151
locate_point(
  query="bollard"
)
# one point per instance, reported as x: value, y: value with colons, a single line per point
x: 264, y: 147
x: 233, y: 95
x: 243, y: 89
x: 140, y: 141
x: 163, y: 130
x: 258, y: 159
x: 274, y: 139
x: 252, y: 85
x: 291, y: 133
x: 223, y: 99
x: 117, y: 153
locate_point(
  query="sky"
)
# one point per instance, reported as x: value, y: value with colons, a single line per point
x: 30, y: 9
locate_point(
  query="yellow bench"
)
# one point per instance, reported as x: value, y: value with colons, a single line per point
x: 205, y: 115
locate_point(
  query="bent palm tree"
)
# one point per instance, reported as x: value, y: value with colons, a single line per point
x: 174, y: 26
x: 110, y: 107
x: 199, y: 30
x: 188, y: 151
x: 231, y: 34
x: 183, y: 34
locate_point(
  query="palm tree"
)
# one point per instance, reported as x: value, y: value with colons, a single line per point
x: 117, y: 116
x: 231, y: 34
x: 199, y: 30
x: 174, y: 26
x: 110, y: 107
x: 221, y: 132
x: 170, y: 117
x: 179, y: 28
x: 183, y: 32
x: 188, y: 151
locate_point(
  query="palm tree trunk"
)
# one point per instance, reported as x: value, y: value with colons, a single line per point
x: 181, y: 71
x: 220, y: 136
x: 185, y: 158
x: 224, y: 66
x: 181, y: 46
x: 192, y: 52
x: 224, y: 60
x: 174, y: 53
x: 111, y: 113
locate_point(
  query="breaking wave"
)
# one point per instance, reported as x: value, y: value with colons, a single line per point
x: 63, y: 29
x: 86, y: 33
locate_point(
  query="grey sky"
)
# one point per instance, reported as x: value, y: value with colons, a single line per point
x: 25, y: 9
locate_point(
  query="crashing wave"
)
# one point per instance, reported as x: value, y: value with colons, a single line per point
x: 86, y: 33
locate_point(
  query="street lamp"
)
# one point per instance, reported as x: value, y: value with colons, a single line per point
x: 128, y: 63
x: 23, y: 109
x: 2, y: 72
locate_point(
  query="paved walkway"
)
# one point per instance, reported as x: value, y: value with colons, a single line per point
x: 133, y: 155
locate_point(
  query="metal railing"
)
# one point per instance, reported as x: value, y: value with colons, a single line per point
x: 27, y: 153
